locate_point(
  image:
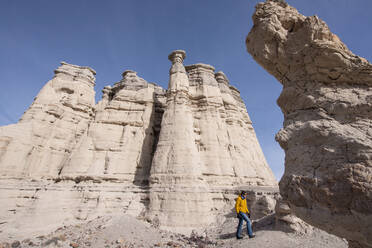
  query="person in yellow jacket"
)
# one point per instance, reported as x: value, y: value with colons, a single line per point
x: 243, y: 214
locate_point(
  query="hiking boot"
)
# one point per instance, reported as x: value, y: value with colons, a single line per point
x: 239, y: 237
x: 251, y: 237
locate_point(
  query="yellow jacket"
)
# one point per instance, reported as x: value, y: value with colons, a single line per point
x: 241, y: 205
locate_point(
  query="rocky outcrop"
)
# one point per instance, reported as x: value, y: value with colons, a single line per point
x: 286, y: 221
x: 43, y: 140
x: 176, y: 157
x: 226, y: 141
x: 43, y: 183
x: 126, y: 126
x: 178, y: 193
x: 326, y: 135
x: 206, y: 143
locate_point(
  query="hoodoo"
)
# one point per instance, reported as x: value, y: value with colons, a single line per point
x: 178, y: 193
x: 326, y: 135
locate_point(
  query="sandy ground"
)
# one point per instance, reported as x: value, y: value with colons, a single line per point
x: 126, y: 231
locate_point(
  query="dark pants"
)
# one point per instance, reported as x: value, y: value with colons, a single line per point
x: 243, y: 217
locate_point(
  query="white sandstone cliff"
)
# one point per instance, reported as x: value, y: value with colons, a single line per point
x: 177, y: 157
x: 41, y: 142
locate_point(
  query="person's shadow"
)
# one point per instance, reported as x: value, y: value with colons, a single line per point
x: 231, y: 215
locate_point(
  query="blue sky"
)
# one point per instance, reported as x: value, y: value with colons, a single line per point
x: 112, y: 36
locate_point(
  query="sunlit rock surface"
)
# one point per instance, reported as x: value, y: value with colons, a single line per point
x: 175, y: 157
x: 121, y: 140
x: 326, y: 135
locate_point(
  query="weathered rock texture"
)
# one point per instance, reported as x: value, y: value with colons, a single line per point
x: 206, y: 142
x: 121, y: 140
x: 178, y: 192
x: 176, y: 156
x: 326, y: 102
x: 39, y: 145
x: 286, y: 221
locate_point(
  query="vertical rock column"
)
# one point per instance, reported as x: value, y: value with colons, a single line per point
x: 177, y: 193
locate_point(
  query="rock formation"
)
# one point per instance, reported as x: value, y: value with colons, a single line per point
x: 36, y: 155
x: 177, y: 157
x: 286, y: 221
x: 178, y: 192
x: 206, y: 142
x: 126, y: 126
x: 326, y: 135
x: 39, y: 145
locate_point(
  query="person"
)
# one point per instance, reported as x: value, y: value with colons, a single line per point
x: 244, y: 215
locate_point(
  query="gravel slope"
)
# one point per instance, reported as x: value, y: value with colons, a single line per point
x: 127, y: 231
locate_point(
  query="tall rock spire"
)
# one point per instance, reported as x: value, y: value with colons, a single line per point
x: 177, y: 152
x: 178, y: 80
x: 177, y: 189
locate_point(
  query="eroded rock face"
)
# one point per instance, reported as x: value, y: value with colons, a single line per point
x: 326, y: 135
x: 206, y: 143
x: 286, y: 221
x: 226, y: 142
x: 126, y: 126
x: 176, y: 157
x: 178, y: 193
x: 39, y: 145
